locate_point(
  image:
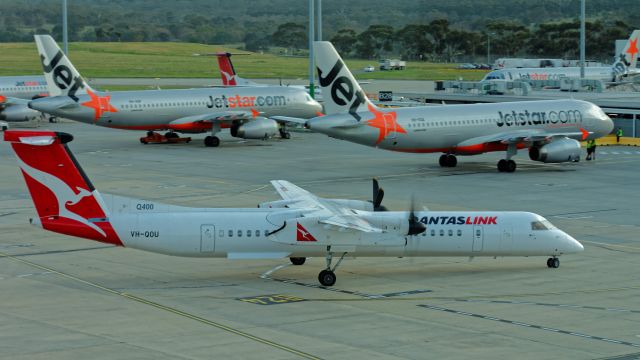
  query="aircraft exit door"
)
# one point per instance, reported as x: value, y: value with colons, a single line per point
x: 207, y: 238
x: 478, y: 238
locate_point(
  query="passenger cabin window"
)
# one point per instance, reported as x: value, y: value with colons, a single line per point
x: 450, y: 232
x: 239, y: 233
x: 459, y: 232
x: 441, y: 232
x: 248, y: 233
x: 230, y: 233
x: 257, y: 233
x: 433, y: 232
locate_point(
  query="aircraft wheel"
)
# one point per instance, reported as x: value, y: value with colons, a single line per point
x: 549, y: 262
x: 443, y: 160
x: 511, y: 166
x: 286, y: 135
x: 555, y: 263
x: 502, y: 165
x: 452, y: 161
x: 212, y: 141
x: 327, y: 278
x: 297, y: 260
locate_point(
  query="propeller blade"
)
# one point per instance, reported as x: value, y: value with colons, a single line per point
x: 378, y: 195
x: 415, y: 226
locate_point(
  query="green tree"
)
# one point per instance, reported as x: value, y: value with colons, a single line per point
x: 290, y: 35
x: 374, y: 41
x: 344, y: 41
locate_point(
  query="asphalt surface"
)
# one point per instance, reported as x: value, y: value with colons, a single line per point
x: 64, y: 297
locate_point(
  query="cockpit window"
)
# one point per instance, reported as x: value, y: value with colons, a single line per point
x: 494, y: 75
x: 541, y: 225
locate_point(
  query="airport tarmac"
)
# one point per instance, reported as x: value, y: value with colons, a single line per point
x: 63, y: 297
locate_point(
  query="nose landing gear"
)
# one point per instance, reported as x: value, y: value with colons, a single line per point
x: 448, y: 160
x: 553, y: 262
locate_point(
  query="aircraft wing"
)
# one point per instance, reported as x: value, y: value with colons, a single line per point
x: 289, y: 119
x: 521, y: 136
x: 328, y: 213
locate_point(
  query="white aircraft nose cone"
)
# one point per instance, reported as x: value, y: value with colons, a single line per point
x: 573, y: 245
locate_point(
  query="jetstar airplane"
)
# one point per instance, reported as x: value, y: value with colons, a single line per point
x: 625, y: 66
x: 15, y: 93
x: 246, y: 111
x: 548, y: 128
x: 298, y: 226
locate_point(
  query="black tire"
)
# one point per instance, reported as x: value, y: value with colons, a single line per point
x: 212, y: 141
x: 511, y: 166
x: 549, y: 262
x: 143, y: 141
x: 297, y: 260
x: 327, y: 278
x: 443, y: 160
x: 502, y: 165
x: 452, y: 161
x: 555, y: 263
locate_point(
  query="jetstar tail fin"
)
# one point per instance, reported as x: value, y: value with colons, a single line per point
x: 65, y: 199
x: 61, y: 76
x: 628, y: 58
x: 341, y: 92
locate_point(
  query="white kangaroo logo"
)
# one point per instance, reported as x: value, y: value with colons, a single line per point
x: 227, y: 76
x: 63, y: 193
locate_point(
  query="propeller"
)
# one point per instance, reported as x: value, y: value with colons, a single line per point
x: 415, y: 226
x: 378, y: 195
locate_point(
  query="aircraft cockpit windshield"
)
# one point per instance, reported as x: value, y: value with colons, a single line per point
x: 541, y: 225
x: 494, y: 75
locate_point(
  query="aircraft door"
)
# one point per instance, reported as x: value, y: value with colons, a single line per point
x: 390, y: 126
x: 478, y: 238
x: 506, y: 240
x: 207, y: 238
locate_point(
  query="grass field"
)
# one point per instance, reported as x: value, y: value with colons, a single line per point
x: 177, y: 60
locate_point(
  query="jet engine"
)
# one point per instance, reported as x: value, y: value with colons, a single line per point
x: 562, y: 150
x: 260, y: 128
x: 18, y: 113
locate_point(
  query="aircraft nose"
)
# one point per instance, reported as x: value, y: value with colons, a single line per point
x: 316, y: 107
x: 607, y: 124
x: 572, y: 245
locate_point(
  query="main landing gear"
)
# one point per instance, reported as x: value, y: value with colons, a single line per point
x: 553, y: 262
x: 284, y: 133
x: 508, y: 165
x: 327, y: 277
x: 448, y: 160
x: 212, y: 141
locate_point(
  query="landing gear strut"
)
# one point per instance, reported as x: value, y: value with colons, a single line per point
x: 284, y: 133
x: 553, y: 262
x: 508, y: 165
x: 448, y: 160
x: 327, y: 277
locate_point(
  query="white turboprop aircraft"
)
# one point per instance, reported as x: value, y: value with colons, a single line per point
x: 549, y: 128
x: 298, y: 226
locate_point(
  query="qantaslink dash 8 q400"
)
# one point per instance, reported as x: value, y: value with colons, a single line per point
x: 246, y: 111
x: 297, y: 226
x: 549, y: 129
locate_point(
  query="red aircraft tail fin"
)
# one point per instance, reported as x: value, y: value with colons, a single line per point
x: 227, y: 72
x: 64, y: 198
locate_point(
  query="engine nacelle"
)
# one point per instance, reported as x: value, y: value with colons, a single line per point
x: 557, y: 151
x: 260, y: 128
x: 18, y: 113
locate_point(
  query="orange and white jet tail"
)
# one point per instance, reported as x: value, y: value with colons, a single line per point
x: 341, y: 92
x: 65, y: 199
x: 628, y: 58
x: 61, y: 76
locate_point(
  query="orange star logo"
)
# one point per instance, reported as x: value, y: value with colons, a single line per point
x: 633, y: 48
x: 100, y: 104
x: 385, y: 122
